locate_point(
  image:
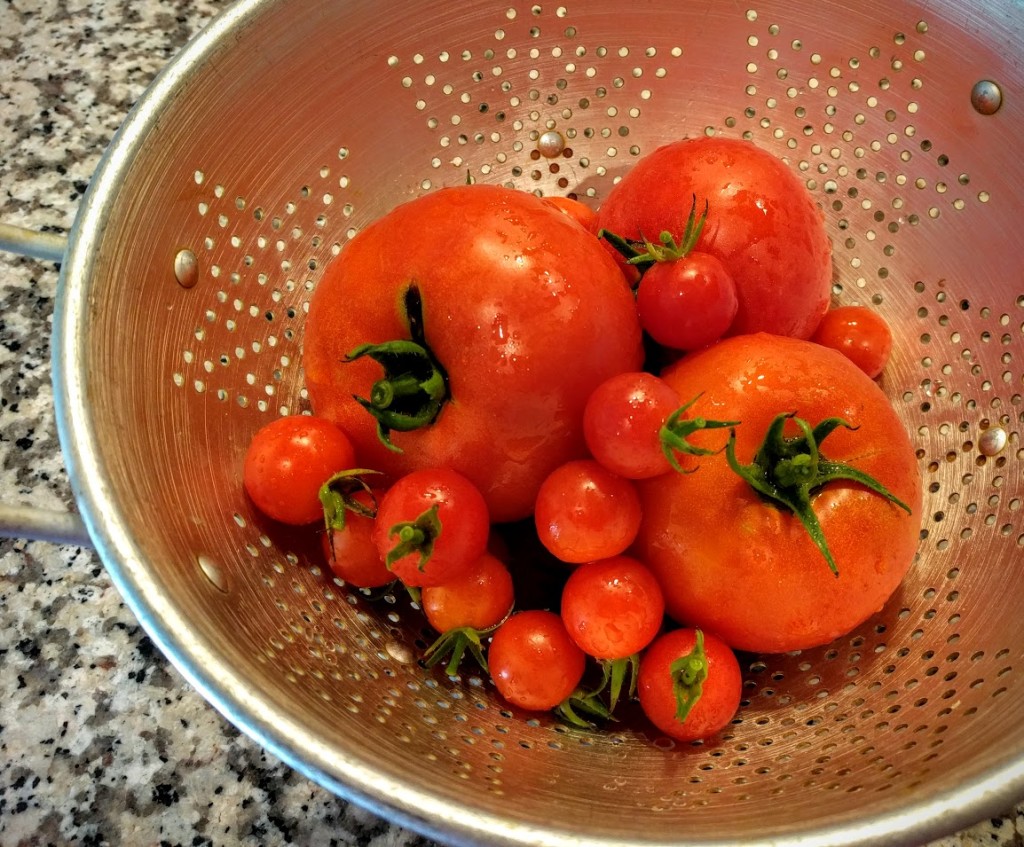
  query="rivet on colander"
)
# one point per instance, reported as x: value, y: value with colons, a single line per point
x: 992, y: 441
x: 986, y: 97
x: 186, y: 268
x: 211, y: 570
x: 551, y: 144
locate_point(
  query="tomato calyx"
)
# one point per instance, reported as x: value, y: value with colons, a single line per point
x: 788, y: 470
x: 614, y: 674
x: 414, y: 387
x: 643, y: 252
x: 674, y: 433
x: 417, y: 536
x: 338, y: 496
x: 454, y: 644
x: 688, y: 675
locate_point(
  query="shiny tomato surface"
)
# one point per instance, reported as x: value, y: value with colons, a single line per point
x: 525, y: 311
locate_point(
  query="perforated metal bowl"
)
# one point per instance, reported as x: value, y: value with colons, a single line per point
x: 288, y: 125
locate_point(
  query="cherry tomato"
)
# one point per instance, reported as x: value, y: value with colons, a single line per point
x: 351, y: 551
x: 763, y: 225
x: 689, y: 684
x: 586, y: 512
x: 687, y: 303
x: 734, y: 562
x: 578, y: 211
x: 503, y: 297
x: 613, y: 607
x: 622, y: 421
x: 431, y: 526
x: 533, y: 662
x: 860, y: 334
x: 286, y: 463
x: 479, y: 598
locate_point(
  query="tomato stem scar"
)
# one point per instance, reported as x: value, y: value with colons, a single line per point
x: 414, y: 387
x: 787, y: 471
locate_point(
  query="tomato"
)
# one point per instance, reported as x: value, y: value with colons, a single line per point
x: 288, y: 460
x: 431, y: 526
x: 533, y: 662
x: 502, y: 298
x: 351, y: 550
x: 689, y: 684
x: 612, y: 608
x: 633, y: 425
x: 480, y: 598
x: 578, y: 211
x: 463, y: 608
x: 687, y: 303
x: 737, y: 564
x: 860, y: 334
x: 586, y: 512
x: 762, y: 224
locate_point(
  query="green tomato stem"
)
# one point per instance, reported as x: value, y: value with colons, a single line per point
x: 677, y: 429
x: 455, y: 643
x: 416, y: 536
x: 414, y: 388
x: 688, y: 675
x: 787, y: 471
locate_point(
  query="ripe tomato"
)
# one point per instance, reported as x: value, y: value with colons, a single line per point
x: 480, y: 598
x: 586, y: 512
x: 634, y: 425
x: 763, y: 225
x: 351, y: 551
x: 687, y: 303
x: 533, y: 662
x: 613, y: 607
x: 689, y: 684
x: 578, y: 211
x: 740, y: 566
x: 463, y: 608
x: 860, y: 334
x: 511, y: 296
x: 431, y: 526
x: 288, y: 460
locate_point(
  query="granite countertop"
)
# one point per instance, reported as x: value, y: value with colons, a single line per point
x: 101, y: 741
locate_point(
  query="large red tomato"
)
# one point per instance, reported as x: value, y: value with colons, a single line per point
x: 746, y: 569
x: 522, y: 312
x: 762, y: 224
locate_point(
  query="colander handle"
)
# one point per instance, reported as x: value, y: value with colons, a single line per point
x: 28, y: 521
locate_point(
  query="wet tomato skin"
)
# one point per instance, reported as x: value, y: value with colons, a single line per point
x: 739, y: 566
x: 288, y: 460
x: 763, y: 225
x: 514, y: 294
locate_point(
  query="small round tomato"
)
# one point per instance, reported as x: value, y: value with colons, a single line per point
x: 480, y: 598
x: 763, y: 225
x: 586, y: 512
x: 533, y: 662
x: 288, y: 460
x: 687, y: 303
x: 579, y: 212
x: 860, y: 334
x: 464, y: 607
x: 613, y: 607
x: 351, y: 551
x: 431, y: 526
x: 689, y: 684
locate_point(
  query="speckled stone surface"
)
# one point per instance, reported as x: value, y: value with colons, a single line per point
x: 101, y: 742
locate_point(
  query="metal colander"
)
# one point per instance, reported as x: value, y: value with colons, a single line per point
x: 286, y: 126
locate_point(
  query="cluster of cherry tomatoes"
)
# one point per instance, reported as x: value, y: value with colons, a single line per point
x: 646, y: 392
